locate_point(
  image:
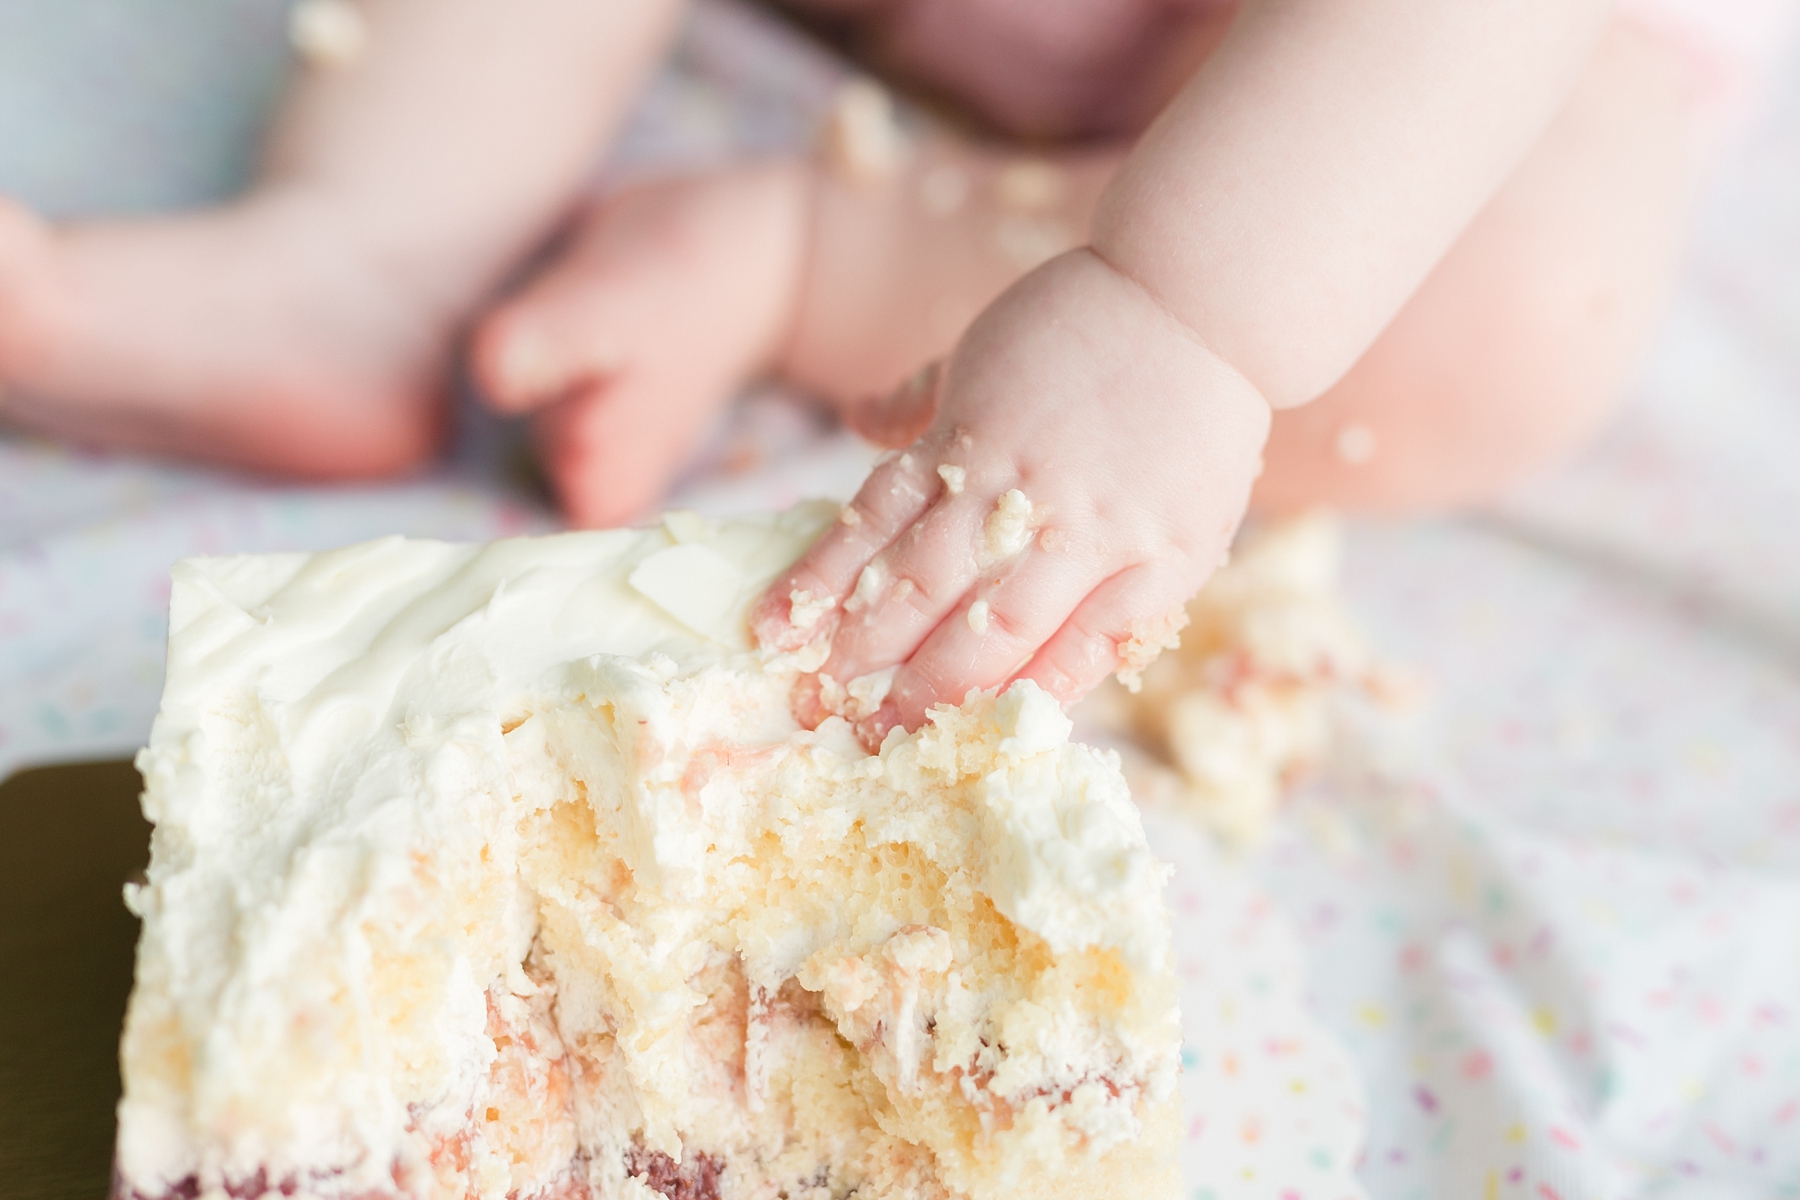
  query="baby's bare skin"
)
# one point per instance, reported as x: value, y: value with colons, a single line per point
x: 307, y: 327
x: 676, y: 292
x: 1072, y: 401
x: 1567, y: 260
x: 1328, y: 210
x: 1253, y: 247
x: 668, y: 298
x: 1044, y: 69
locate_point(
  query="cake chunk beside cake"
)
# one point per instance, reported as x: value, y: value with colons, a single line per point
x: 506, y: 871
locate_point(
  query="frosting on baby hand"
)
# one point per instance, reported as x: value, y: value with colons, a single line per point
x: 1087, y: 465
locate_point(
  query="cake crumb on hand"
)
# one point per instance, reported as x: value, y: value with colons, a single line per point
x: 1147, y: 642
x: 805, y: 609
x: 1009, y: 527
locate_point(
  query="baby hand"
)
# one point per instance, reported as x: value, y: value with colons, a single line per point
x: 1087, y: 466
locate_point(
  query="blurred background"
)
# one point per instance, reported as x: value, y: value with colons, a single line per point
x: 1573, y: 970
x: 107, y: 106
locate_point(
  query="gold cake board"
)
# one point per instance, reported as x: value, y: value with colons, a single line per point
x: 70, y: 836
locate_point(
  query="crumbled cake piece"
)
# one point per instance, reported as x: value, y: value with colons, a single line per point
x: 805, y: 610
x: 1244, y: 703
x: 506, y: 871
x: 871, y: 582
x: 1009, y: 527
x: 1144, y: 644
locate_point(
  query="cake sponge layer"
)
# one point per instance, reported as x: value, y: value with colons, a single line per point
x: 506, y: 871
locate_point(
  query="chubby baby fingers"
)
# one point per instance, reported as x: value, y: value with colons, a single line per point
x: 912, y: 586
x: 988, y: 637
x: 903, y: 415
x: 794, y: 609
x: 1121, y: 625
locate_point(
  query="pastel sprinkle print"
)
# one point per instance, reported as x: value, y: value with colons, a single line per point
x: 1544, y: 944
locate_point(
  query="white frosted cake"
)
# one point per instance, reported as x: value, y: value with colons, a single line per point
x: 505, y: 871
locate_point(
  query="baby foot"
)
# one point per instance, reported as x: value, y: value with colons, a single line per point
x: 840, y: 277
x: 258, y: 335
x: 667, y: 298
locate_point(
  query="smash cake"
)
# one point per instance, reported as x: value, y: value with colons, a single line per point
x: 1255, y: 695
x: 506, y: 871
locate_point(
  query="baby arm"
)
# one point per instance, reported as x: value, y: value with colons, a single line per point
x: 1256, y: 241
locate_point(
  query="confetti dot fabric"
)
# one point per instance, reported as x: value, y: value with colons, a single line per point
x: 1557, y: 923
x: 1542, y: 943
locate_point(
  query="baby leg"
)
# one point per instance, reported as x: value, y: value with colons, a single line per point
x: 248, y: 335
x: 847, y: 279
x: 1516, y: 349
x: 305, y: 328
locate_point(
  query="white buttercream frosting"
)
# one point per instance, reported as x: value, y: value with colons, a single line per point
x: 1009, y: 526
x: 479, y: 868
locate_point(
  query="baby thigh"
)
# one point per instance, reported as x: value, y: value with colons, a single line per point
x: 1516, y: 348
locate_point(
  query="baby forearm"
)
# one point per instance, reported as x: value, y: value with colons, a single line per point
x: 1312, y: 173
x: 467, y: 122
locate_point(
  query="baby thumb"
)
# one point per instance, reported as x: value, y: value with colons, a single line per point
x: 903, y: 415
